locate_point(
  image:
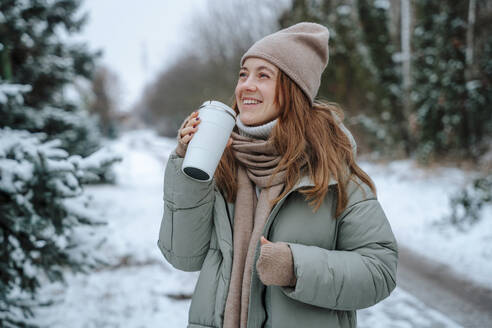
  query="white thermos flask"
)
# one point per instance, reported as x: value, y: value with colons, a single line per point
x: 207, y: 145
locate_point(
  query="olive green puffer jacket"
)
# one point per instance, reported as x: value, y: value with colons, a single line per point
x: 341, y: 264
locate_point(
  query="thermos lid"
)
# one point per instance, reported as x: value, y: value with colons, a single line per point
x: 214, y: 104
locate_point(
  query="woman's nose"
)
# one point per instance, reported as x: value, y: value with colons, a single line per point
x: 249, y: 85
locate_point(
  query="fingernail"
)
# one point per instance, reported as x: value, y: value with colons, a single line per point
x: 189, y: 134
x: 194, y: 126
x: 196, y: 119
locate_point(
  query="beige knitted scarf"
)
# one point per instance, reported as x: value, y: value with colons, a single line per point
x: 258, y: 159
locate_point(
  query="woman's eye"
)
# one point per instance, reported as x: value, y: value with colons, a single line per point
x: 264, y: 75
x: 242, y: 74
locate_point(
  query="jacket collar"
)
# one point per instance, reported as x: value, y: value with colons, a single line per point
x: 305, y: 181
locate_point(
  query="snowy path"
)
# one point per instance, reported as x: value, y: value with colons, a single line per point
x: 440, y: 287
x: 141, y: 289
x: 414, y: 199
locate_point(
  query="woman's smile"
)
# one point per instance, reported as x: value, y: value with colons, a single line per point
x: 251, y: 102
x: 255, y: 92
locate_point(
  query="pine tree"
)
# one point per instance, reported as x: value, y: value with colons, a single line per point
x: 42, y: 211
x: 47, y: 152
x: 478, y: 76
x: 33, y: 52
x: 374, y: 17
x: 453, y: 112
x: 346, y: 78
x: 361, y: 75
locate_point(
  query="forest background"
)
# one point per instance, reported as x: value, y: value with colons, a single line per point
x: 413, y: 77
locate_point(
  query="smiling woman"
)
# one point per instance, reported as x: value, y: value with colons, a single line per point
x: 289, y: 233
x: 256, y: 92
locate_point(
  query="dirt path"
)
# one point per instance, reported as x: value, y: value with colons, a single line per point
x: 439, y: 287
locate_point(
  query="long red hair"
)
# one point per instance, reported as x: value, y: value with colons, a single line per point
x: 304, y: 134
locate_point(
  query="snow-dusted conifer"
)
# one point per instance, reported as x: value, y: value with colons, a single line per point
x: 363, y: 72
x: 452, y: 109
x: 386, y: 76
x: 48, y: 147
x: 43, y: 210
x: 35, y: 51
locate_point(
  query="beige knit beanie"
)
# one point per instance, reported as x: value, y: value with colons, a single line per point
x: 300, y: 51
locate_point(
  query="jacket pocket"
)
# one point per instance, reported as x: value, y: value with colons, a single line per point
x: 191, y: 231
x: 166, y: 231
x: 203, y: 304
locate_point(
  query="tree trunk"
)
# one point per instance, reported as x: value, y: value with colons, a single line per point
x: 406, y: 69
x: 469, y: 39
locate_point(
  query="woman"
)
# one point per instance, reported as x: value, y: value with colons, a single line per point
x: 289, y: 233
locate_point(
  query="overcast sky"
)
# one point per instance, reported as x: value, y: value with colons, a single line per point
x: 138, y: 38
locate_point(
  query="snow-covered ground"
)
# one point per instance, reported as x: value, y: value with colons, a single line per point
x: 141, y: 289
x: 414, y: 199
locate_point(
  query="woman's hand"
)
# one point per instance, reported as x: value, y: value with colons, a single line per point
x: 264, y: 241
x: 275, y: 265
x: 186, y: 132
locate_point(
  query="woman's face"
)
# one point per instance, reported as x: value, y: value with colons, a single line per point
x: 255, y: 92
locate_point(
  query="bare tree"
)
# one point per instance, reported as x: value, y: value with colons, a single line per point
x: 226, y: 29
x: 107, y: 91
x: 208, y: 68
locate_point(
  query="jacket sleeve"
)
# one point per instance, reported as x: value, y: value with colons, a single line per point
x: 187, y: 223
x: 359, y: 273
